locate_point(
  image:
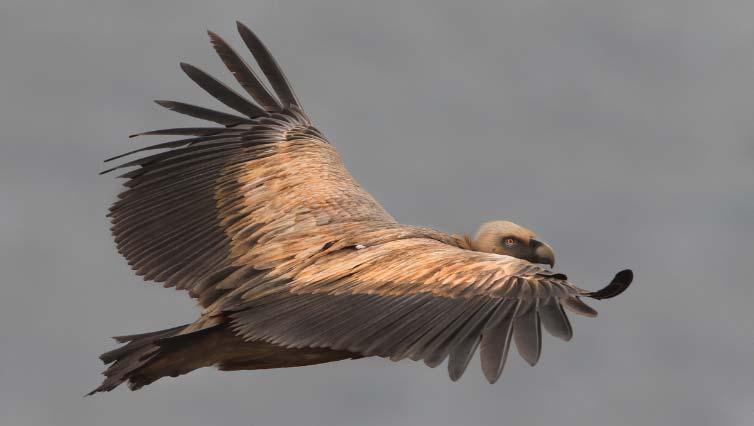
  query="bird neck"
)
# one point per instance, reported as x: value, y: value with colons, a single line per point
x: 464, y: 241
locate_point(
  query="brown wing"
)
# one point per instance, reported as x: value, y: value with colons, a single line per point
x: 191, y: 211
x: 401, y: 292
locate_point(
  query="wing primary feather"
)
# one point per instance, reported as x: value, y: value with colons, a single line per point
x: 222, y: 92
x: 189, y: 131
x: 528, y: 335
x: 202, y: 113
x: 440, y: 320
x: 168, y: 167
x: 464, y: 345
x: 461, y: 355
x: 171, y: 163
x: 421, y: 323
x: 174, y: 155
x: 555, y: 320
x: 166, y: 145
x: 438, y: 350
x: 496, y: 339
x: 243, y: 73
x: 269, y: 67
x: 575, y: 305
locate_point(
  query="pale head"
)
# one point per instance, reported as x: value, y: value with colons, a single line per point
x: 503, y: 237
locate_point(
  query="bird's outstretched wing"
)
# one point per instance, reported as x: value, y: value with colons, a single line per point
x: 404, y: 294
x: 190, y: 211
x: 259, y: 219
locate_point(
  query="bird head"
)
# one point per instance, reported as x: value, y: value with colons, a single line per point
x: 503, y: 237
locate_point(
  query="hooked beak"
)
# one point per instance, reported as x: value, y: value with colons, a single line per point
x: 542, y: 253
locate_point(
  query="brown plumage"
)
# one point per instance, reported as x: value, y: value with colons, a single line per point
x: 294, y: 263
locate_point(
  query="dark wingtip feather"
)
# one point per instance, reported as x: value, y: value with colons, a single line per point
x: 191, y: 131
x: 240, y: 26
x: 243, y: 73
x: 202, y: 113
x: 269, y: 66
x: 166, y: 145
x: 222, y: 92
x: 618, y: 285
x: 97, y: 390
x: 186, y: 67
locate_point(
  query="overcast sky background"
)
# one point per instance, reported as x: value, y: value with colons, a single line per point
x: 621, y: 132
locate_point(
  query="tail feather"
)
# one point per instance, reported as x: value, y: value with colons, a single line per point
x: 129, y: 358
x: 137, y: 341
x: 150, y: 356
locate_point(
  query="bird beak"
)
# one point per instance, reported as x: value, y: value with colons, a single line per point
x: 542, y: 253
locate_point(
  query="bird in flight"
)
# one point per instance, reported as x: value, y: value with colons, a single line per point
x: 293, y: 263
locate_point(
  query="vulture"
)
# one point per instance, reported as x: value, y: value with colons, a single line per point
x: 293, y: 263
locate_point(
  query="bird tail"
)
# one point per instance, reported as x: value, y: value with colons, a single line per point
x: 150, y: 356
x: 128, y: 362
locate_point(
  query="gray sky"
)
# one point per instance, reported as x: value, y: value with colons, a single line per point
x: 621, y: 132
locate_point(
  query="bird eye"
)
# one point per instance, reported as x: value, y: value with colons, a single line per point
x: 509, y: 242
